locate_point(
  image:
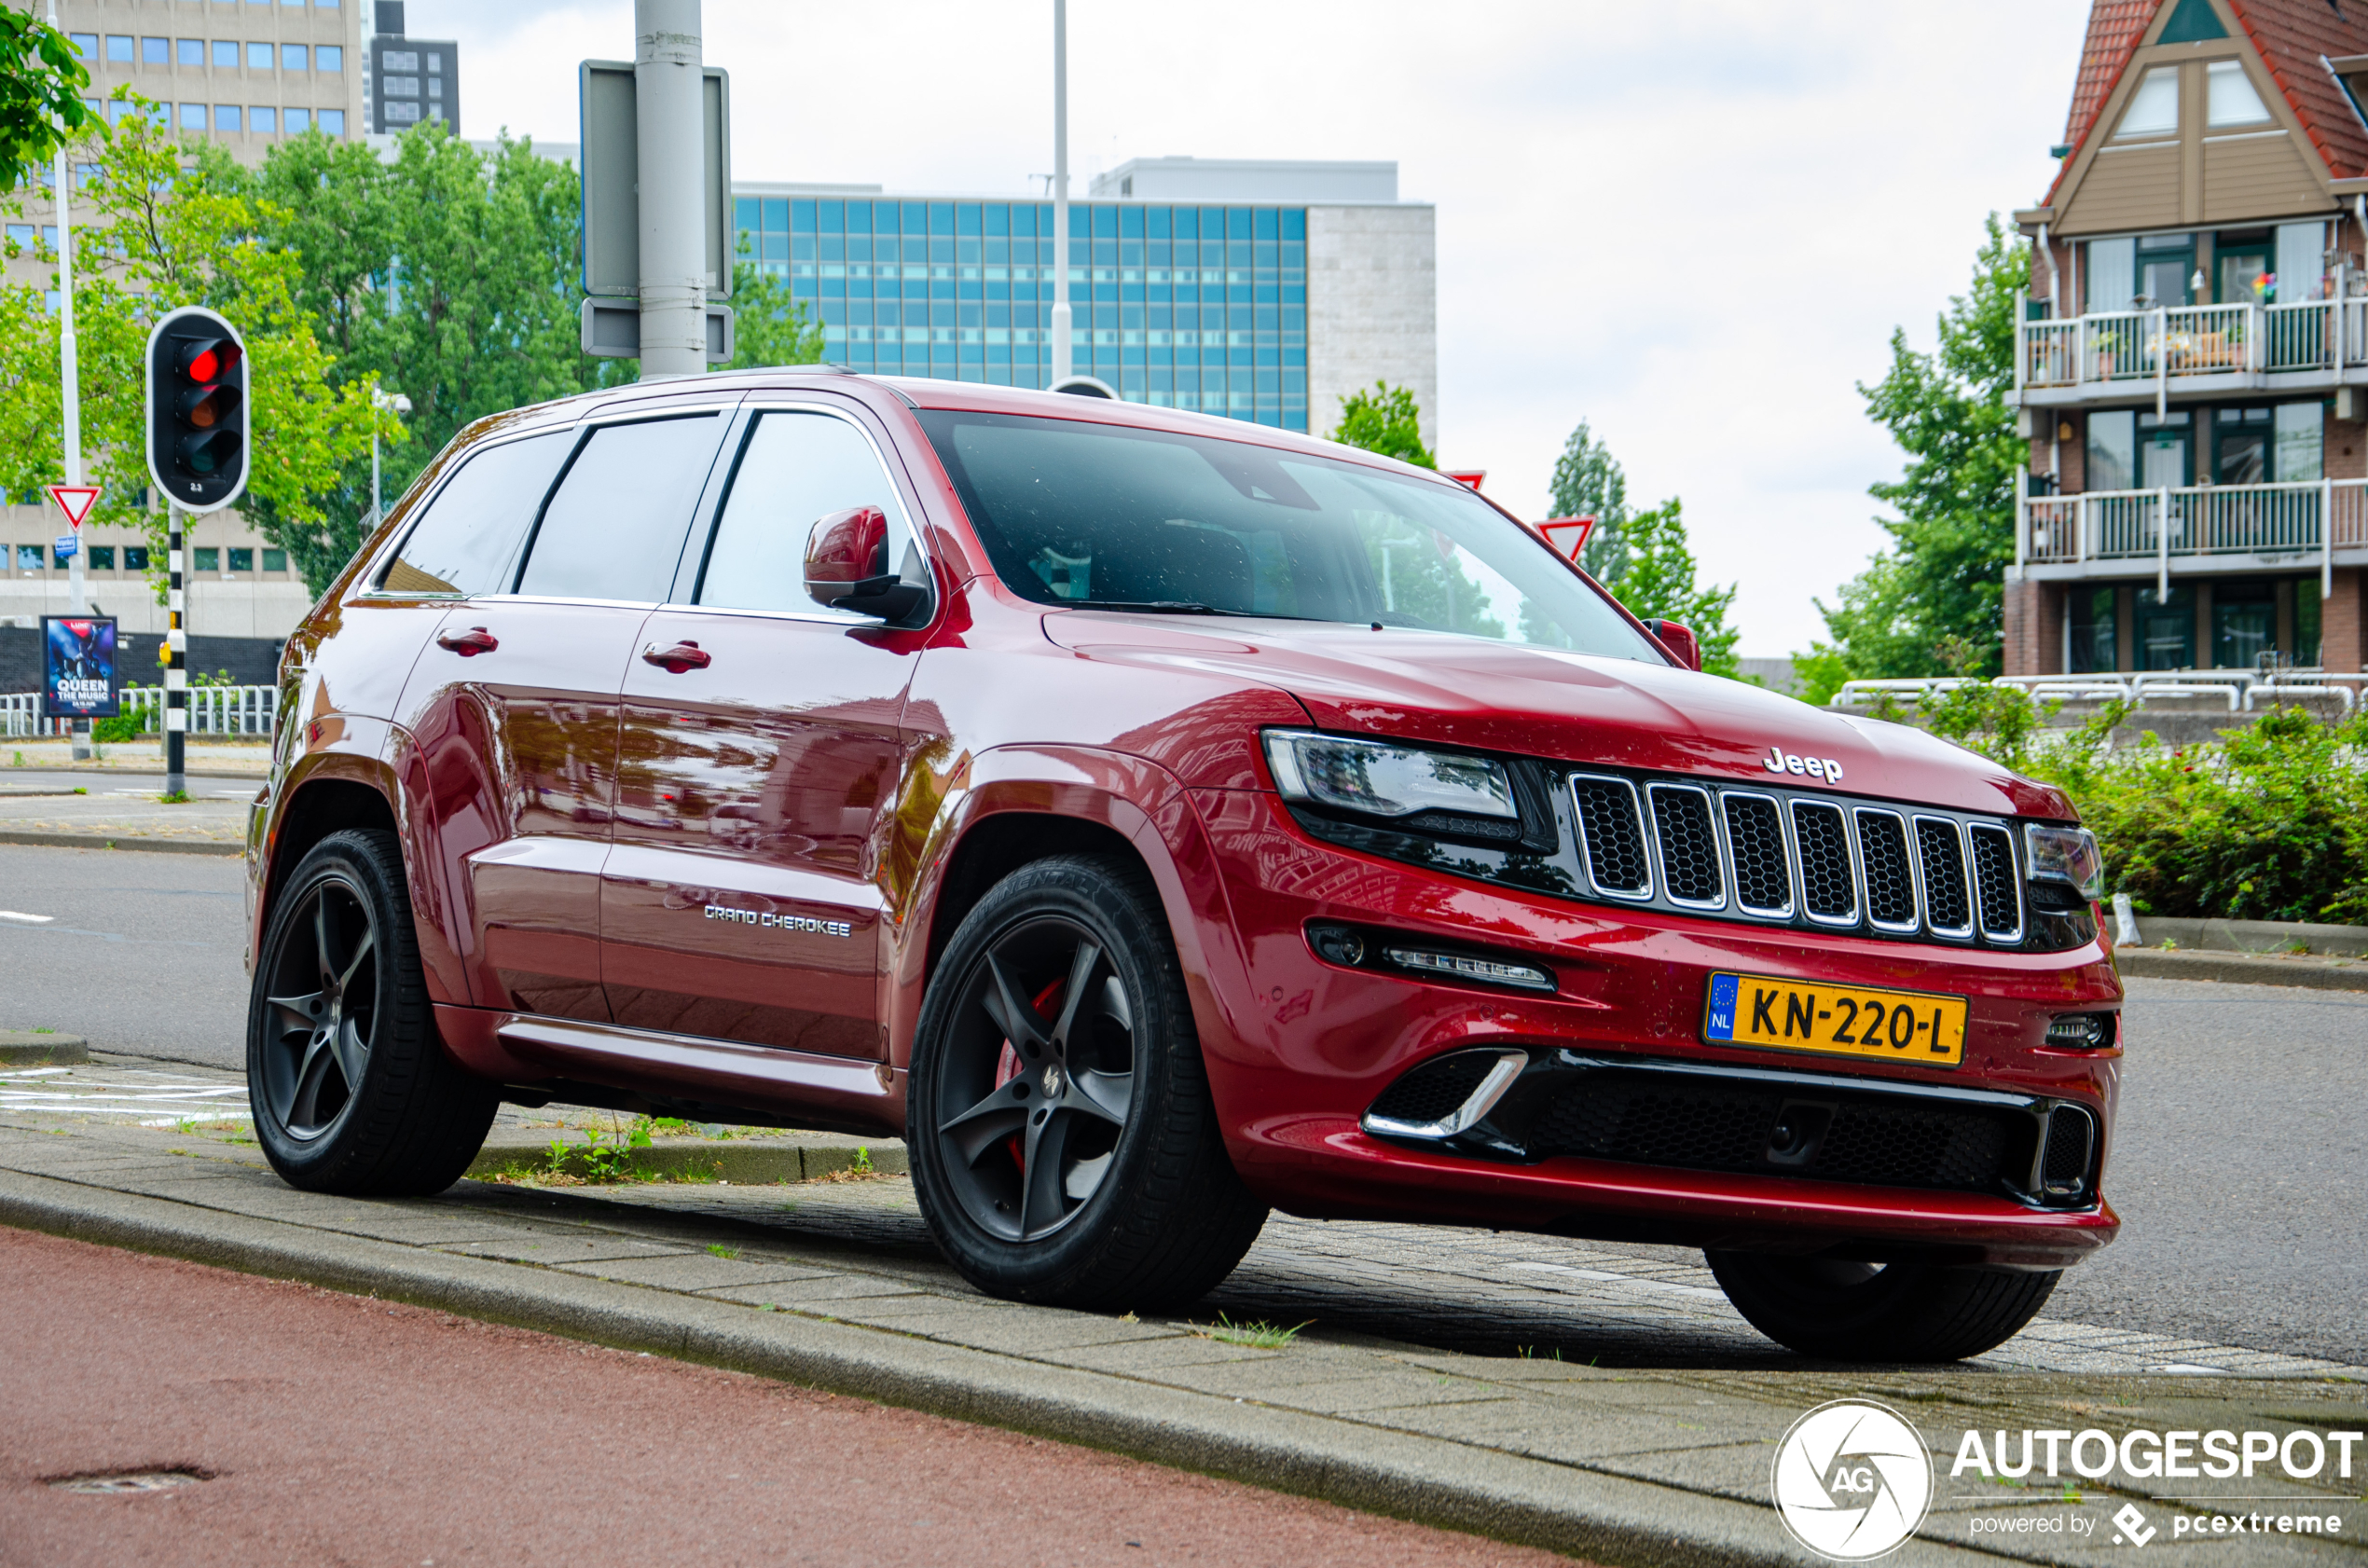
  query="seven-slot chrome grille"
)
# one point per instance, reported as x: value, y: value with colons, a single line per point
x: 1774, y: 856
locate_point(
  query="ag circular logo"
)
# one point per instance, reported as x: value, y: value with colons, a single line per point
x: 1852, y: 1480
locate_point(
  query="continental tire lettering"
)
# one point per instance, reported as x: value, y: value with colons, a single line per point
x: 781, y: 922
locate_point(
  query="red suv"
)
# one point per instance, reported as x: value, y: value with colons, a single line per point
x: 1152, y: 819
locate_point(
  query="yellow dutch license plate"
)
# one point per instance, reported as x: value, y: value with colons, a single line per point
x: 1835, y: 1020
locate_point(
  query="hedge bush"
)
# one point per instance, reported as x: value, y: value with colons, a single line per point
x: 2267, y: 823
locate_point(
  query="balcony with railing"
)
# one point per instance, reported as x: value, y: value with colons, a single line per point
x: 2118, y: 353
x: 2306, y: 523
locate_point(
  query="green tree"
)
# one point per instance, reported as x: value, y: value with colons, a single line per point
x: 1387, y: 421
x: 1588, y: 483
x: 41, y: 83
x: 1660, y: 585
x: 1944, y: 576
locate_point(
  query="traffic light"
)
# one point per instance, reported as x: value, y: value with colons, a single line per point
x: 198, y: 410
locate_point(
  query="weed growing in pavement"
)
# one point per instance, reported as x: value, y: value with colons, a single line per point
x: 726, y: 1253
x: 174, y: 797
x: 81, y: 790
x: 18, y: 761
x: 1257, y: 1336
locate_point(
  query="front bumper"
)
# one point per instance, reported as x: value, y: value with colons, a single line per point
x: 1303, y: 1049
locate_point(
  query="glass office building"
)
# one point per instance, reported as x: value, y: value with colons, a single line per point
x: 1185, y: 307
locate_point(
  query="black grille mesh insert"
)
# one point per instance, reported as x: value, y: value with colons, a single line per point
x: 2001, y: 913
x: 1615, y: 837
x: 1432, y: 1091
x: 1689, y: 845
x: 1720, y: 1127
x: 1756, y: 835
x: 1943, y: 860
x: 2066, y: 1168
x: 1891, y: 884
x: 1825, y: 885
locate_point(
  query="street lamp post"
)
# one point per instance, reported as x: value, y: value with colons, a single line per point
x: 1063, y: 363
x: 382, y: 401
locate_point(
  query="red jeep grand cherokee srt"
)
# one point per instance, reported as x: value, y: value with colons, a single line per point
x: 1153, y: 819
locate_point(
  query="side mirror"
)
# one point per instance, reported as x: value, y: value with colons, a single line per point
x: 1679, y: 641
x: 847, y: 566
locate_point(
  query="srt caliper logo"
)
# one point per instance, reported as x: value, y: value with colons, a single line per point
x: 1781, y: 760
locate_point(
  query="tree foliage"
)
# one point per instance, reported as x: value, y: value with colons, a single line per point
x: 1658, y: 583
x: 42, y: 79
x: 1387, y: 421
x: 1941, y: 585
x: 1588, y: 483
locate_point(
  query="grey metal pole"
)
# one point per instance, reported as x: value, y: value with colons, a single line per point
x: 375, y: 512
x: 70, y: 390
x: 176, y: 676
x: 1063, y: 361
x: 670, y: 128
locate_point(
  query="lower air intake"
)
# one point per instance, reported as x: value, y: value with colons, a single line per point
x: 1435, y: 1090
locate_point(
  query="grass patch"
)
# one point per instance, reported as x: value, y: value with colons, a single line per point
x: 726, y: 1253
x: 1257, y: 1336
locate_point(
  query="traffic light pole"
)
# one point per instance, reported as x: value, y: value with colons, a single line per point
x: 177, y: 677
x: 70, y: 388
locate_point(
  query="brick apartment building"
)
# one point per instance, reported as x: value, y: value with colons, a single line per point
x: 2193, y: 369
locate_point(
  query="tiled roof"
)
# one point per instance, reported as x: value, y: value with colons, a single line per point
x: 2290, y: 36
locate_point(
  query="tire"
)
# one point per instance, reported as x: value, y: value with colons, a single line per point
x: 351, y: 1090
x: 1868, y: 1311
x: 1064, y: 1148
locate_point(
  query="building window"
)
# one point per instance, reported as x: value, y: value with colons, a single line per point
x: 294, y: 122
x: 275, y: 560
x: 332, y: 122
x: 2090, y: 618
x: 329, y: 57
x: 209, y: 557
x: 28, y: 558
x: 225, y: 54
x: 258, y: 57
x: 399, y: 59
x: 58, y: 558
x: 264, y: 120
x: 2241, y: 439
x: 2153, y: 108
x: 292, y: 57
x: 2166, y: 629
x: 402, y: 113
x: 2229, y: 98
x: 135, y: 557
x: 193, y: 116
x: 155, y: 51
x: 2112, y: 449
x: 242, y: 558
x: 191, y: 51
x: 103, y: 557
x: 119, y: 48
x: 226, y: 117
x: 84, y: 44
x: 2307, y: 609
x: 2301, y: 441
x: 398, y: 86
x: 2244, y: 622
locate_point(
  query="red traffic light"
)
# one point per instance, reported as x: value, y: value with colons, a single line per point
x: 211, y: 360
x: 208, y: 407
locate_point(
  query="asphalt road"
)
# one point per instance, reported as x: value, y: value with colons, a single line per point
x: 2240, y: 1162
x: 302, y: 1425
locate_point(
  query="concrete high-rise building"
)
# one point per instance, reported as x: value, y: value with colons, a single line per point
x: 410, y: 81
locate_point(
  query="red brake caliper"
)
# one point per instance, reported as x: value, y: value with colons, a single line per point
x: 1009, y: 1065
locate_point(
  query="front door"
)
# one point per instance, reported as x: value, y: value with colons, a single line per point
x: 512, y: 713
x: 759, y: 757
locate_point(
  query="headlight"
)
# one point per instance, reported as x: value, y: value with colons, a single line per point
x: 1380, y: 779
x: 2065, y: 855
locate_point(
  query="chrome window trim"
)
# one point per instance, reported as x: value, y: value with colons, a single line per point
x: 1849, y: 853
x: 1792, y: 858
x: 2014, y: 881
x: 1914, y: 923
x: 1717, y: 847
x: 1587, y: 847
x: 1964, y: 876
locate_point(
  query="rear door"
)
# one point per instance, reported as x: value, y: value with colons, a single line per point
x: 758, y: 758
x: 513, y: 707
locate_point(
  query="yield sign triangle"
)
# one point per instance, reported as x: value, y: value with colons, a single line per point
x: 1568, y: 535
x: 75, y: 500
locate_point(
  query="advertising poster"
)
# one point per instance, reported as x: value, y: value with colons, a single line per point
x: 78, y: 678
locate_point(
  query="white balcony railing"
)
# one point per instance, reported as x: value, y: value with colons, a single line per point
x: 2312, y: 518
x: 2119, y: 346
x: 247, y: 710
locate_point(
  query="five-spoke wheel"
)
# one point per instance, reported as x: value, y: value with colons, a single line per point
x: 324, y: 1003
x: 1064, y: 1146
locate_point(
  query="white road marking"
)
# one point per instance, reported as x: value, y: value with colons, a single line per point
x: 26, y: 919
x: 28, y: 1072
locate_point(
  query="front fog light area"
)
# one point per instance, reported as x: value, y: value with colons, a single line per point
x: 1375, y: 779
x: 1352, y: 948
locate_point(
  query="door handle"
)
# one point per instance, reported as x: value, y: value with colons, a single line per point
x: 675, y: 660
x: 470, y: 643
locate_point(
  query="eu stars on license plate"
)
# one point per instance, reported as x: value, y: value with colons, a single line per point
x: 1761, y: 1010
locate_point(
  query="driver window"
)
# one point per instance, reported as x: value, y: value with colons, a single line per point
x: 796, y: 469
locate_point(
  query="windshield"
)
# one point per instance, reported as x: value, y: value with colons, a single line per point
x: 1076, y: 514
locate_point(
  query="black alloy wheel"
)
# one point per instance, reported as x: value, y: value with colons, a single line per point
x: 1065, y: 1148
x: 348, y: 1082
x: 1842, y: 1311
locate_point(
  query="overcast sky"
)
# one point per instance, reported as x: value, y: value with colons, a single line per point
x: 1693, y: 224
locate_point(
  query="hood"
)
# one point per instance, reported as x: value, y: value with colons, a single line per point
x: 1575, y: 707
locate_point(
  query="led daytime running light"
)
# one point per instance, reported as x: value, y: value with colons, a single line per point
x: 1463, y: 966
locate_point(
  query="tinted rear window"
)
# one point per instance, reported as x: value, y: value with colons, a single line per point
x: 1076, y: 514
x: 614, y: 527
x: 468, y: 540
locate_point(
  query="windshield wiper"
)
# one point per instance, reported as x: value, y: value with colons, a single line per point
x: 1156, y: 606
